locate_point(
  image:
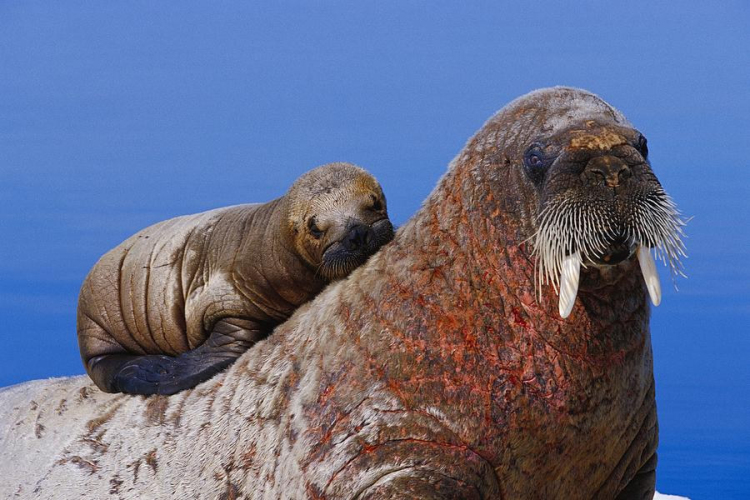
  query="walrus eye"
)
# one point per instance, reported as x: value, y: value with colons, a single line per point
x: 376, y: 204
x: 535, y: 163
x: 313, y: 228
x: 642, y: 146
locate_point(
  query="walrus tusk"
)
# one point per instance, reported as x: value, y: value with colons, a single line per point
x: 650, y: 276
x: 571, y: 272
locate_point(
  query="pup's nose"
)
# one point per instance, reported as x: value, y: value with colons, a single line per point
x: 357, y: 237
x: 607, y: 170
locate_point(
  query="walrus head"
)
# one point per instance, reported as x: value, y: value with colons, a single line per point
x: 596, y: 201
x: 339, y: 217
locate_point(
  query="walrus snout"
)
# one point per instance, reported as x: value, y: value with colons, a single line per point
x: 354, y: 247
x: 608, y: 170
x: 357, y: 237
x: 619, y: 250
x: 601, y: 205
x: 368, y: 237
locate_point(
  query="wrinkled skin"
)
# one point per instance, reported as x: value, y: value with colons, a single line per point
x: 181, y: 300
x: 433, y: 371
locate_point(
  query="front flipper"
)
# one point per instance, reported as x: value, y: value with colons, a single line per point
x: 409, y: 484
x: 161, y: 374
x: 642, y: 486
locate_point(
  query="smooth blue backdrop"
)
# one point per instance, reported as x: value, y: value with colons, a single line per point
x: 115, y: 115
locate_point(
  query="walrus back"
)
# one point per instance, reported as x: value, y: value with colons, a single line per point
x: 134, y: 297
x: 39, y: 419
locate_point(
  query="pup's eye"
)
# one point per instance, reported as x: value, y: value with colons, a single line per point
x: 535, y: 163
x: 313, y: 228
x: 642, y: 146
x: 534, y: 160
x: 377, y: 205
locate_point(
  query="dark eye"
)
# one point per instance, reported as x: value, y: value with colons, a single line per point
x: 642, y: 146
x: 376, y: 203
x: 535, y: 163
x: 534, y: 160
x: 313, y: 228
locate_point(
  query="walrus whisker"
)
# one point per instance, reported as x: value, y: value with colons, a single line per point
x: 319, y: 271
x: 566, y: 227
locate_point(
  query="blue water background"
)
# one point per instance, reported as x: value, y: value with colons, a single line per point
x: 115, y: 115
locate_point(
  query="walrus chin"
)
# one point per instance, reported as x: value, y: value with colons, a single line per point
x: 621, y: 211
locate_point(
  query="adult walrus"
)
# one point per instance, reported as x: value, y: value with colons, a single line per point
x: 432, y: 371
x: 180, y: 300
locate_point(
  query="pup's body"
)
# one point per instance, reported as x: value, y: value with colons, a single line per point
x: 180, y: 300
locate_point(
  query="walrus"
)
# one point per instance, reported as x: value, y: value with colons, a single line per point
x: 441, y: 368
x: 182, y: 299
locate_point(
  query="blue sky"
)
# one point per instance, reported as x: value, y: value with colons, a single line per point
x: 116, y: 115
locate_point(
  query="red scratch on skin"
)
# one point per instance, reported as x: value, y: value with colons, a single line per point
x: 394, y: 386
x: 324, y: 394
x: 518, y: 319
x: 327, y: 435
x: 447, y: 324
x: 470, y: 338
x: 369, y: 448
x: 314, y: 492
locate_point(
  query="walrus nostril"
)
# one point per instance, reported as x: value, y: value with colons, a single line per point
x: 624, y: 173
x: 608, y: 171
x: 356, y: 238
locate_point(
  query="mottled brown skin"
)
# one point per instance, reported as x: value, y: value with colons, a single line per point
x: 182, y: 299
x: 492, y: 394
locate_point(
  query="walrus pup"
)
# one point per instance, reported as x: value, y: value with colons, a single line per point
x: 433, y: 370
x: 182, y: 299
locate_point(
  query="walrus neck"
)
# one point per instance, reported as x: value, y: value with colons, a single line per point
x: 282, y: 263
x: 481, y: 261
x: 301, y: 279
